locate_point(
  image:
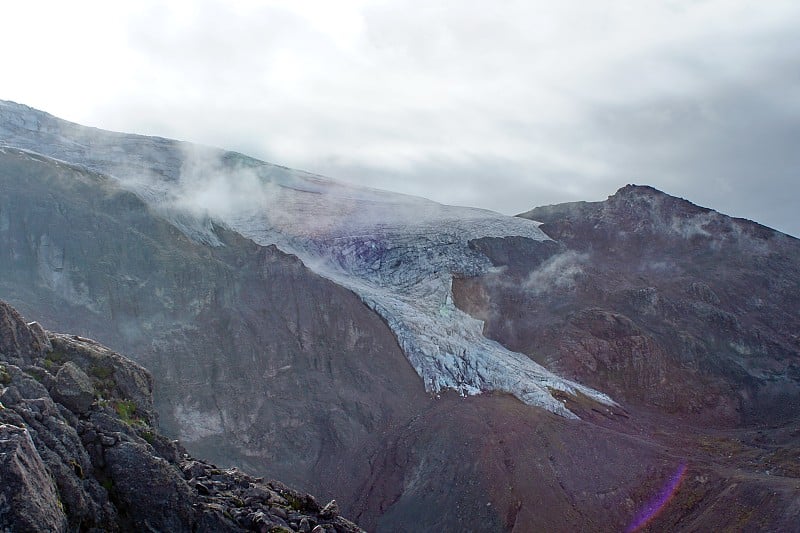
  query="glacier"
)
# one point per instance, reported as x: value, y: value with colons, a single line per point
x: 398, y: 253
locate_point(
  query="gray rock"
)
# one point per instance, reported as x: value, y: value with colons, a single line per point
x: 194, y: 469
x: 118, y: 377
x: 149, y: 489
x: 166, y: 448
x: 89, y: 436
x: 41, y: 407
x: 73, y: 388
x: 17, y: 341
x: 213, y: 521
x: 40, y: 336
x: 10, y: 396
x: 28, y: 497
x: 108, y: 424
x: 27, y: 386
x: 331, y: 510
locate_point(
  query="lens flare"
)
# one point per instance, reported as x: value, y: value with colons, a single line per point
x: 657, y: 504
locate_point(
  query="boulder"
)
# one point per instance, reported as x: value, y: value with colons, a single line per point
x: 149, y: 490
x: 73, y: 388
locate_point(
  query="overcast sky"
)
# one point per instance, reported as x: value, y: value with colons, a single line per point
x: 503, y: 105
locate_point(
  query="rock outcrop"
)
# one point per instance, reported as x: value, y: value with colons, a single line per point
x: 79, y: 450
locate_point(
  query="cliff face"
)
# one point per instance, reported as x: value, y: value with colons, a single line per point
x: 79, y: 450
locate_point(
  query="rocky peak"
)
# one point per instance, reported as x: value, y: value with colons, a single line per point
x: 645, y: 218
x: 709, y: 303
x: 645, y: 209
x: 79, y: 450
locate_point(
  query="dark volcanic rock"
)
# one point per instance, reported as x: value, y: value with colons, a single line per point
x: 89, y: 457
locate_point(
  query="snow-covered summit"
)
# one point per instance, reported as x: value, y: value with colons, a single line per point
x: 399, y: 253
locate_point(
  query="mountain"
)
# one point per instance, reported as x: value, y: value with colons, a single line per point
x: 80, y: 451
x: 397, y: 253
x: 258, y: 361
x: 431, y: 367
x: 670, y: 305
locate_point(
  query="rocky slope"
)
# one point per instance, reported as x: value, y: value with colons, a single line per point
x: 259, y: 362
x: 79, y: 451
x: 658, y: 301
x: 686, y: 316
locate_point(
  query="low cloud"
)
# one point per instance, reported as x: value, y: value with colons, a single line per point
x: 559, y: 272
x: 207, y: 187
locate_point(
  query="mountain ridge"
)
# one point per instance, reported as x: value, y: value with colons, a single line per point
x: 642, y: 262
x: 266, y: 364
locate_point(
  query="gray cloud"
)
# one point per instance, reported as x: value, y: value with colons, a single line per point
x: 505, y: 107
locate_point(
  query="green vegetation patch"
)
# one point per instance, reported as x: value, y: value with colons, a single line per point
x: 100, y: 372
x: 294, y: 502
x: 54, y: 358
x: 126, y: 409
x: 148, y: 435
x: 35, y: 373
